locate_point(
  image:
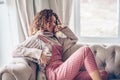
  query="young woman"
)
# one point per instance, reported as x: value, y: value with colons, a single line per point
x: 46, y: 47
x: 48, y: 22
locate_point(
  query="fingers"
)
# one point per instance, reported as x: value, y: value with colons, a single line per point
x: 58, y: 28
x: 60, y: 22
x: 43, y: 59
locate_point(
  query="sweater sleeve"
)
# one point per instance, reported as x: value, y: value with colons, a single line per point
x: 68, y: 40
x: 22, y: 51
x: 31, y: 48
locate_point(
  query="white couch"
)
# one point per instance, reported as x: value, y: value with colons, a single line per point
x: 107, y: 58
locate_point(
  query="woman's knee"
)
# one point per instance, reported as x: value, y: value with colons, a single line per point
x: 85, y: 50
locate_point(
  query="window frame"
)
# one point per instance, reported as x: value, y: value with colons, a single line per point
x: 83, y: 39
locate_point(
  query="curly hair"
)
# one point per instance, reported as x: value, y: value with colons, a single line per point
x: 38, y: 21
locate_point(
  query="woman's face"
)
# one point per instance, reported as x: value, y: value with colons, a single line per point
x: 51, y: 24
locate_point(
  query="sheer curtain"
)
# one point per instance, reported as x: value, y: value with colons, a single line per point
x: 5, y: 41
x: 63, y: 8
x: 25, y: 13
x: 21, y: 13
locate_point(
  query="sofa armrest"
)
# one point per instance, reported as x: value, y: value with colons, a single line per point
x: 7, y: 76
x: 18, y: 69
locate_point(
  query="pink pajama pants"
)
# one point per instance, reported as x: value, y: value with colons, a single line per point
x: 70, y: 69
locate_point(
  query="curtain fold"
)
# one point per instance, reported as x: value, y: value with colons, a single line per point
x: 57, y: 6
x: 25, y: 13
x: 67, y: 10
x: 63, y: 8
x: 40, y: 5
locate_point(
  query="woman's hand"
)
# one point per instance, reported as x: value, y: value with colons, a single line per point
x: 58, y: 28
x: 43, y: 59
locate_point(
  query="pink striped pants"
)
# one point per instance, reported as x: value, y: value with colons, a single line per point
x: 70, y: 69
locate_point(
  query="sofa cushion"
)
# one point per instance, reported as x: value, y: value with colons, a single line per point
x: 108, y: 58
x: 8, y: 76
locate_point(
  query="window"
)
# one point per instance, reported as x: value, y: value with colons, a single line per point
x: 100, y: 17
x: 5, y: 38
x: 97, y: 21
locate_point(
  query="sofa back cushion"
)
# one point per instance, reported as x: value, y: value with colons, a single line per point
x: 108, y: 58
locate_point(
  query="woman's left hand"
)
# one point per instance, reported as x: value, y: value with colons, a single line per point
x: 58, y: 28
x: 43, y: 59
